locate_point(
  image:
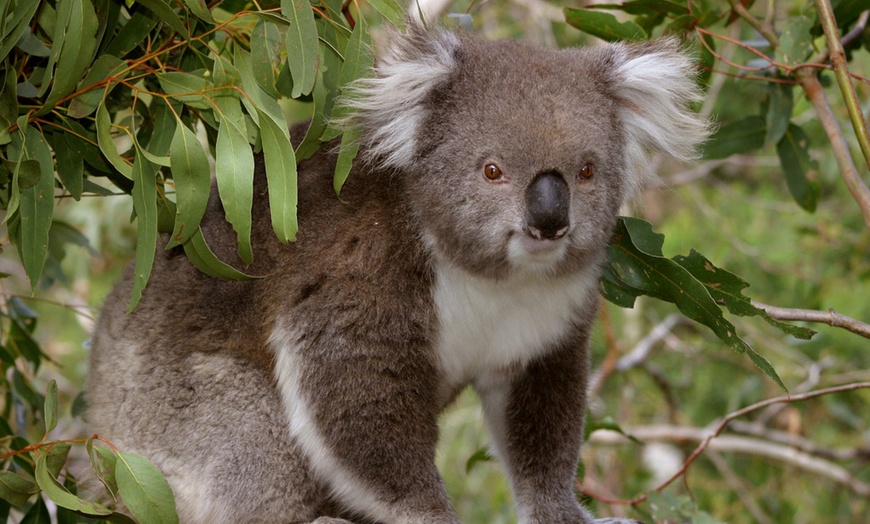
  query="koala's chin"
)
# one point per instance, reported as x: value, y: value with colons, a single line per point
x: 465, y: 251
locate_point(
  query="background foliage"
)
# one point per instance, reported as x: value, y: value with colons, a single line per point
x: 103, y: 100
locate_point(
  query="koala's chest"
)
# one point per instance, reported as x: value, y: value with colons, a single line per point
x: 487, y: 326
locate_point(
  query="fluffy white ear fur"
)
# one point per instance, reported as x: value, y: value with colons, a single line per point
x: 391, y: 105
x: 655, y: 83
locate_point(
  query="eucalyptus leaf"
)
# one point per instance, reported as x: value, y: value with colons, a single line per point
x: 17, y: 24
x: 145, y: 206
x: 205, y: 260
x: 192, y: 177
x: 37, y: 208
x: 799, y: 168
x: 741, y: 136
x: 144, y: 490
x: 50, y: 409
x: 779, y: 109
x: 165, y: 13
x: 77, y: 51
x: 107, y: 143
x: 635, y: 263
x: 15, y: 489
x: 604, y: 25
x: 187, y: 88
x: 58, y: 494
x: 347, y: 152
x: 72, y: 165
x: 200, y: 9
x: 281, y: 178
x: 302, y: 45
x: 234, y: 171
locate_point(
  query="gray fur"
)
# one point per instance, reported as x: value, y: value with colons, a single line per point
x: 312, y: 395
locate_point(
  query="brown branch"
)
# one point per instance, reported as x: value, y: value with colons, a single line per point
x: 830, y: 317
x: 816, y: 95
x: 734, y: 444
x: 805, y: 460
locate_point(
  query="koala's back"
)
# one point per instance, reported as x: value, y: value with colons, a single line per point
x: 188, y: 380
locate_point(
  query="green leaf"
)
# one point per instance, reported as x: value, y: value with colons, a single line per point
x: 346, y: 153
x: 357, y: 64
x: 17, y: 24
x: 78, y: 41
x: 106, y: 66
x: 192, y: 176
x: 280, y: 164
x: 37, y: 208
x: 302, y: 45
x: 267, y: 47
x: 72, y: 173
x: 234, y: 171
x: 37, y: 514
x: 604, y: 25
x: 107, y: 143
x: 799, y: 169
x: 58, y: 494
x: 133, y: 33
x: 50, y: 409
x: 104, y: 463
x: 391, y: 10
x: 144, y: 490
x: 145, y: 206
x: 727, y: 288
x: 14, y: 489
x: 481, y: 455
x: 187, y: 88
x: 779, y: 109
x: 795, y: 42
x: 204, y: 259
x: 166, y: 14
x: 311, y: 142
x: 201, y: 11
x: 635, y: 262
x: 737, y: 137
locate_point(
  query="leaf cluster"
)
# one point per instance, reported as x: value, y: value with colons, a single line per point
x: 140, y: 95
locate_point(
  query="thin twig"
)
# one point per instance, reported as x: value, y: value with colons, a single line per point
x: 801, y: 459
x: 816, y: 95
x: 732, y: 444
x: 764, y: 29
x: 841, y: 70
x: 830, y: 317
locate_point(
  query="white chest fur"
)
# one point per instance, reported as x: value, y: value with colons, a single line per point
x: 488, y: 325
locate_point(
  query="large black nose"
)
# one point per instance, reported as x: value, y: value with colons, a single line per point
x: 547, y: 206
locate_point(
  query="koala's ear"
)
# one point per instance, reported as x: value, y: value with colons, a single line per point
x: 391, y: 107
x: 654, y: 83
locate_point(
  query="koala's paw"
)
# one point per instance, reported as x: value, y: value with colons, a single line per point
x: 331, y: 520
x: 616, y: 521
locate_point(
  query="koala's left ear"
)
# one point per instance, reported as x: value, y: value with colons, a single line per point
x: 391, y: 107
x: 654, y: 83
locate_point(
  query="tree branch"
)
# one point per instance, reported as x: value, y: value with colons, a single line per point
x: 841, y: 70
x: 848, y: 171
x: 755, y: 446
x: 830, y: 317
x: 733, y: 444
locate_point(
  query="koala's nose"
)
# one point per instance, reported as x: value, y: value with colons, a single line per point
x: 547, y: 206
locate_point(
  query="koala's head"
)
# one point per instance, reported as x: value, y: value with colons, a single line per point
x: 517, y: 158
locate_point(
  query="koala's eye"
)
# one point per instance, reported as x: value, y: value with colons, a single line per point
x: 586, y: 172
x: 492, y: 172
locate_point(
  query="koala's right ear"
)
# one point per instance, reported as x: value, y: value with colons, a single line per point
x: 391, y: 106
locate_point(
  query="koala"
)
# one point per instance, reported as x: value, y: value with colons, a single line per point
x: 464, y: 251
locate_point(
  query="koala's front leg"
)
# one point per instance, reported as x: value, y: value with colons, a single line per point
x: 365, y: 414
x: 536, y: 419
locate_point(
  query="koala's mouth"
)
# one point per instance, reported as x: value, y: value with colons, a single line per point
x: 539, y: 246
